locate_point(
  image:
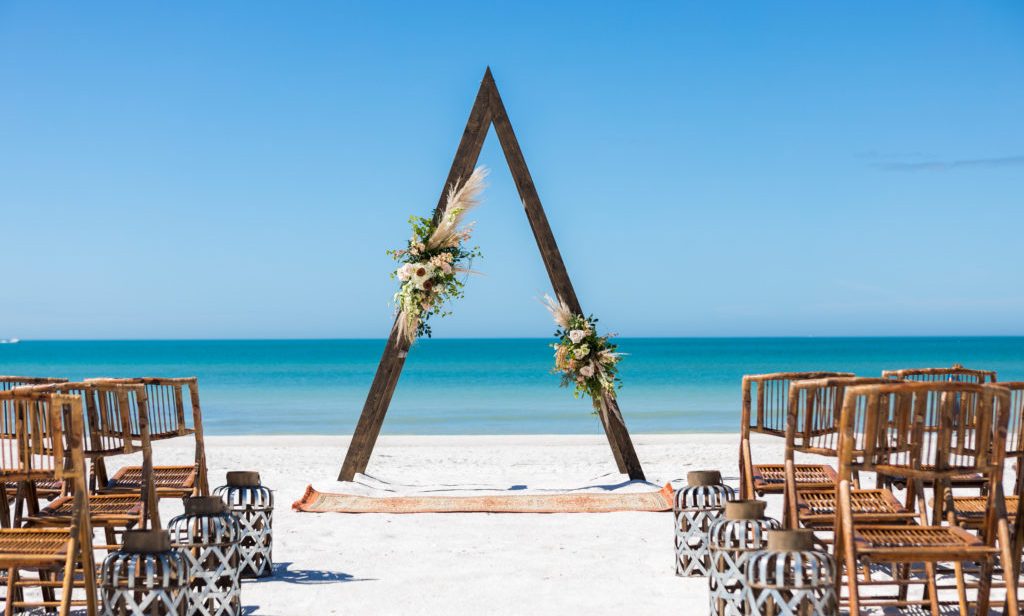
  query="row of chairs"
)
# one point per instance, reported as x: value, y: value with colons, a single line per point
x: 938, y: 431
x: 57, y: 439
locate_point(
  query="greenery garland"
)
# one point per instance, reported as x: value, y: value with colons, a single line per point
x: 433, y: 259
x: 586, y: 361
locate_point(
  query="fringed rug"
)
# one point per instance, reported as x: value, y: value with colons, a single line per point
x: 566, y: 502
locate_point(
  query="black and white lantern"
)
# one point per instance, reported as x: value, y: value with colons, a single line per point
x: 733, y: 540
x: 791, y: 578
x: 697, y: 506
x: 207, y: 536
x: 146, y: 577
x: 253, y: 504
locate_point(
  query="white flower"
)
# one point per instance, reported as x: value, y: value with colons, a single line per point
x: 405, y: 272
x: 577, y: 335
x: 421, y: 273
x: 587, y: 371
x: 582, y: 351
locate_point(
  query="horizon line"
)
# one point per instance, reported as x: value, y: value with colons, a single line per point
x: 464, y: 338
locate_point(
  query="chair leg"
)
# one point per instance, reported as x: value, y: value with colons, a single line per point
x: 110, y: 536
x: 933, y: 591
x: 844, y: 546
x: 5, y: 512
x: 851, y: 582
x: 961, y: 587
x: 12, y: 577
x: 984, y: 586
x: 902, y: 572
x: 1011, y: 565
x: 68, y: 585
x: 47, y: 591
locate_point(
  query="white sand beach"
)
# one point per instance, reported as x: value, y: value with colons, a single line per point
x: 475, y: 563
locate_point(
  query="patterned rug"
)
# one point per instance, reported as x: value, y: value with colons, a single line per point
x: 566, y: 502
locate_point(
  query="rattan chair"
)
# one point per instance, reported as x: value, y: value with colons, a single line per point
x: 771, y: 394
x: 108, y: 412
x: 970, y: 511
x: 955, y: 374
x: 813, y: 429
x: 37, y: 445
x: 900, y: 430
x: 45, y: 489
x: 168, y: 407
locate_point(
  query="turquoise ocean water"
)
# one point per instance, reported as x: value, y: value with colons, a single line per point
x: 476, y: 386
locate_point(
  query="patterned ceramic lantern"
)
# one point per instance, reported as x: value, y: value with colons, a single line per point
x: 697, y: 506
x: 253, y: 505
x: 733, y: 540
x: 146, y: 577
x: 208, y: 536
x: 791, y: 578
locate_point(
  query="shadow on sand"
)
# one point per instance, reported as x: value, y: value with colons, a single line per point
x: 284, y: 573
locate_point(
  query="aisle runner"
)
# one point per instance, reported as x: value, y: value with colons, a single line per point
x: 568, y: 502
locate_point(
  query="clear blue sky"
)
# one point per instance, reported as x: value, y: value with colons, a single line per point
x: 237, y: 169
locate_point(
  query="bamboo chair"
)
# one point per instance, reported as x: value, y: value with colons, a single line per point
x: 813, y: 429
x: 896, y: 430
x: 769, y: 417
x: 107, y: 419
x: 955, y: 374
x: 970, y: 511
x: 42, y: 446
x: 167, y: 405
x: 46, y: 489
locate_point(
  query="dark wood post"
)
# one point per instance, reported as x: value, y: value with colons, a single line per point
x: 397, y: 348
x: 487, y: 109
x: 615, y: 429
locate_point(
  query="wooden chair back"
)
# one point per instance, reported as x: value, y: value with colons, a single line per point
x: 814, y: 409
x: 173, y: 413
x: 956, y: 374
x: 42, y: 439
x: 116, y: 419
x: 766, y: 399
x: 8, y: 383
x: 764, y: 411
x: 918, y: 431
x: 1015, y: 424
x: 106, y: 418
x: 812, y: 426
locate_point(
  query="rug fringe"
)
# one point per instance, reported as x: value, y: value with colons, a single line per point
x: 302, y: 503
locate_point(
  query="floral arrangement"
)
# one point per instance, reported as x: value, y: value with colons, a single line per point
x: 435, y: 255
x: 586, y: 361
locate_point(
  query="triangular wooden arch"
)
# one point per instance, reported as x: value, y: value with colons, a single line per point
x: 487, y: 110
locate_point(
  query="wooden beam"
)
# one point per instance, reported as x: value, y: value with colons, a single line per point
x: 618, y: 437
x: 397, y: 348
x: 487, y: 109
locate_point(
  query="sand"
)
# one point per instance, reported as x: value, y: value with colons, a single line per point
x: 471, y: 563
x: 468, y: 563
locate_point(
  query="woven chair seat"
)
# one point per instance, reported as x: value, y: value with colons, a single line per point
x: 771, y: 478
x: 33, y: 545
x: 818, y: 507
x: 971, y: 510
x: 104, y: 510
x: 45, y: 488
x: 919, y: 543
x: 171, y: 481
